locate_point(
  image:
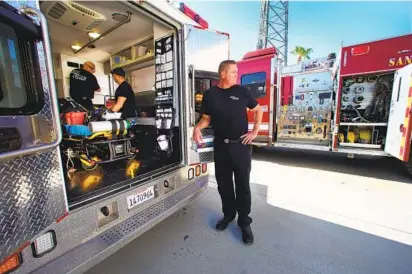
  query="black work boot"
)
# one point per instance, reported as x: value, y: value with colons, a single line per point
x: 223, y: 223
x: 247, y: 235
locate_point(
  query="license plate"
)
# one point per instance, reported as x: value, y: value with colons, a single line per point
x: 140, y: 197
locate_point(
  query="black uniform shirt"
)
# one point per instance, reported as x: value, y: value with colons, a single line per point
x: 129, y: 107
x: 227, y: 108
x: 82, y: 84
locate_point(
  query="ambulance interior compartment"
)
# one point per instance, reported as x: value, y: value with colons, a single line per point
x: 130, y: 46
x: 203, y: 80
x: 364, y: 110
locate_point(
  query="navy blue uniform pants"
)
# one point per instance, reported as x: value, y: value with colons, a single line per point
x: 234, y: 159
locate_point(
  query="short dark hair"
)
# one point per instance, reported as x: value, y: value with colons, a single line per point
x: 224, y: 65
x: 119, y: 71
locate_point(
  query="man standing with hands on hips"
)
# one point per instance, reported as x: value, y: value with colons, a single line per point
x: 224, y: 108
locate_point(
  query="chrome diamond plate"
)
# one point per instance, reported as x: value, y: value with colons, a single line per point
x: 207, y: 156
x: 205, y: 49
x: 196, y: 157
x: 146, y: 216
x: 31, y: 198
x: 82, y: 225
x: 96, y: 249
x: 32, y: 193
x: 70, y: 232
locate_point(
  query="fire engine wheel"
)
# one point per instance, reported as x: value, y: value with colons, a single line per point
x: 255, y: 149
x: 408, y: 165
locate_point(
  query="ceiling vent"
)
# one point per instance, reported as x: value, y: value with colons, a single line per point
x: 72, y: 15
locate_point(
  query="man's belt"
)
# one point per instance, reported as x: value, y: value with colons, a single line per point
x: 228, y: 140
x: 81, y: 98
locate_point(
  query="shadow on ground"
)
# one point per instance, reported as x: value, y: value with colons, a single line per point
x: 376, y: 167
x: 285, y: 242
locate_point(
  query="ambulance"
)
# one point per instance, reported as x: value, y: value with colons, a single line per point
x: 78, y: 184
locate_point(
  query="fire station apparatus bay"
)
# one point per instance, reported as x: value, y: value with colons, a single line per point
x: 313, y: 213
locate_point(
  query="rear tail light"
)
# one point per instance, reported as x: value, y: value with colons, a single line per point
x: 44, y: 244
x: 359, y: 50
x: 11, y: 264
x: 190, y: 174
x: 204, y: 168
x: 198, y: 169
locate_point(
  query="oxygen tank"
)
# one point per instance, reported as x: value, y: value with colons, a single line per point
x: 109, y: 125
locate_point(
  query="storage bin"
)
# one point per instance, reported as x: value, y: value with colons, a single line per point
x: 140, y: 51
x: 75, y: 118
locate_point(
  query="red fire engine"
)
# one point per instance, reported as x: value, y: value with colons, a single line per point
x: 357, y: 102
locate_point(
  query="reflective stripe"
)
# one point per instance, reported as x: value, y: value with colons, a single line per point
x: 402, y: 152
x: 262, y: 127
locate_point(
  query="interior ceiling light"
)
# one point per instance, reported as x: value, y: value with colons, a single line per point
x: 75, y: 47
x: 94, y: 35
x: 119, y: 17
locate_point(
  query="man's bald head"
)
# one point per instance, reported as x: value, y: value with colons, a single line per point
x: 89, y: 66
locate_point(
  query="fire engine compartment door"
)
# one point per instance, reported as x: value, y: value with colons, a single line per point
x: 400, y: 121
x: 203, y: 51
x: 33, y: 192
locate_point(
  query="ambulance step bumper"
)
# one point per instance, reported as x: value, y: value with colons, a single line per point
x: 85, y: 256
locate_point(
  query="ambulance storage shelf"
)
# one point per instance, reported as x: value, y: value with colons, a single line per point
x: 135, y: 54
x: 136, y: 61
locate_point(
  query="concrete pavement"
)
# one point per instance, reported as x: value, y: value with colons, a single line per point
x: 310, y: 216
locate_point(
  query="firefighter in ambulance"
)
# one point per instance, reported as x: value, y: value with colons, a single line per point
x: 83, y: 84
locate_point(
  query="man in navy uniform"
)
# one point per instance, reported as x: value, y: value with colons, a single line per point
x: 224, y: 108
x: 83, y: 84
x: 125, y: 100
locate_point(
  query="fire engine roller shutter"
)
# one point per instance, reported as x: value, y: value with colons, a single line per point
x: 406, y: 129
x: 287, y: 90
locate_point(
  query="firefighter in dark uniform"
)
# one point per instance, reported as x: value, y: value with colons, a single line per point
x: 224, y: 108
x: 125, y: 99
x: 83, y: 84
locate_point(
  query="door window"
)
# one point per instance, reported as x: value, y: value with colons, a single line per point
x: 21, y: 92
x: 255, y: 83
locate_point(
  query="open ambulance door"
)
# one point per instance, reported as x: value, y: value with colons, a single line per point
x: 33, y: 193
x: 398, y: 139
x: 203, y: 50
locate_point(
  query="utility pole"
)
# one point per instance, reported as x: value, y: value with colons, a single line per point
x: 273, y: 28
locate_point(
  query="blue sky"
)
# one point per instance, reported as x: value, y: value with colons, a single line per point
x: 321, y: 25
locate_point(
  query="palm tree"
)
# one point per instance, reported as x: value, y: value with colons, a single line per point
x: 302, y: 53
